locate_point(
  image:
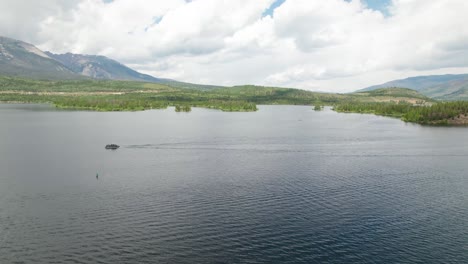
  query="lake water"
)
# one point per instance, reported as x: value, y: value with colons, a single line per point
x: 285, y: 184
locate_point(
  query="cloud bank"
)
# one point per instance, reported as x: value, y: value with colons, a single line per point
x: 332, y: 45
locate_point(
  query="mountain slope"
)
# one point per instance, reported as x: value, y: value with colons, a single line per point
x: 453, y: 90
x: 100, y: 67
x: 394, y: 92
x: 21, y: 59
x: 18, y: 58
x: 442, y: 87
x: 420, y: 82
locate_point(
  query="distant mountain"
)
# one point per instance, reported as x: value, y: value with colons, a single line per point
x: 420, y: 82
x: 18, y: 58
x: 442, y: 87
x: 456, y: 89
x: 100, y: 67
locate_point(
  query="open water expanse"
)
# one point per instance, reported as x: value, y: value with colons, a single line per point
x: 285, y: 184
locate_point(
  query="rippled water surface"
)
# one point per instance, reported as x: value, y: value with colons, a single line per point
x: 285, y: 184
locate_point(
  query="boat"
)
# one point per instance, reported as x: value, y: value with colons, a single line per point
x: 112, y: 146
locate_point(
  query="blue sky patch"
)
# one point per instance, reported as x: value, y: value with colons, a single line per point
x: 156, y: 21
x: 269, y: 11
x: 379, y: 5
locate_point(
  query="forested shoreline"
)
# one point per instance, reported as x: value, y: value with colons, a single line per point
x: 440, y: 113
x: 105, y: 95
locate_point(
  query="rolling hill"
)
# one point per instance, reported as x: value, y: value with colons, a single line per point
x: 447, y: 87
x: 411, y: 95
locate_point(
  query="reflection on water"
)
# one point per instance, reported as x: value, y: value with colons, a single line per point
x: 284, y: 184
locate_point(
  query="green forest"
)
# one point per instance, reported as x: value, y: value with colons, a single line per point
x: 440, y: 113
x: 106, y: 95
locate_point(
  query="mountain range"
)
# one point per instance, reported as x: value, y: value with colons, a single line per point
x: 21, y: 59
x: 18, y: 58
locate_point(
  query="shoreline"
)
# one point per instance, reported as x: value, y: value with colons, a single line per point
x: 456, y: 122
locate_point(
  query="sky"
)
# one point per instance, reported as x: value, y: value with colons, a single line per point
x: 320, y: 45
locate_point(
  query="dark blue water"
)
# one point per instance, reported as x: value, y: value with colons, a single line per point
x: 282, y: 185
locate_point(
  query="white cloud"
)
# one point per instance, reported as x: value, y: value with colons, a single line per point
x: 21, y: 18
x: 332, y: 45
